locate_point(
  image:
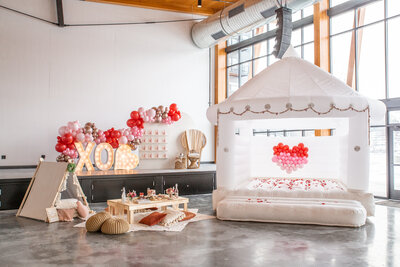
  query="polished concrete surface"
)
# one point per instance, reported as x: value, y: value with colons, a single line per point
x: 25, y: 242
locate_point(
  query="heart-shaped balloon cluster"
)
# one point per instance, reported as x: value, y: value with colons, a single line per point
x: 290, y: 159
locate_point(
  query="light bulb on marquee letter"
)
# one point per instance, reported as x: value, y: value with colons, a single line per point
x: 125, y: 159
x: 110, y: 156
x: 84, y: 155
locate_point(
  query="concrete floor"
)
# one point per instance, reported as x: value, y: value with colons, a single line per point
x: 204, y: 243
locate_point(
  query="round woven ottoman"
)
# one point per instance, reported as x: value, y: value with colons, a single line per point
x: 94, y: 223
x: 115, y: 226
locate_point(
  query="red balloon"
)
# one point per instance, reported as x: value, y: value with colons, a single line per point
x: 173, y: 107
x: 71, y: 146
x: 135, y: 115
x: 114, y: 144
x: 67, y: 138
x: 115, y: 134
x: 130, y: 123
x: 175, y: 117
x: 60, y: 147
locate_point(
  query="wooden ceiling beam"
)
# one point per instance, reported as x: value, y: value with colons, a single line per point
x: 166, y: 5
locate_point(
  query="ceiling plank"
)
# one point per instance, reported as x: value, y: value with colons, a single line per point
x: 185, y: 6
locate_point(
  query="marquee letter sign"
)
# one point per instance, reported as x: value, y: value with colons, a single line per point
x: 110, y: 156
x: 124, y: 160
x: 84, y: 155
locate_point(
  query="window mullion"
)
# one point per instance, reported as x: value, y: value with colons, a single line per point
x: 386, y: 50
x: 356, y: 49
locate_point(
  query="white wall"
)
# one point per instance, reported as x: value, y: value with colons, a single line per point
x: 51, y: 75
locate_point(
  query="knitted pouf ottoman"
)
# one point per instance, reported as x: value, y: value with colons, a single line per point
x: 94, y: 223
x: 115, y: 226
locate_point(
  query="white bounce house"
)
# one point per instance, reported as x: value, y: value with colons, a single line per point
x: 294, y: 179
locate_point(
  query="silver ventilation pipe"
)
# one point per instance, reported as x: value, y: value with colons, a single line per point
x: 240, y: 17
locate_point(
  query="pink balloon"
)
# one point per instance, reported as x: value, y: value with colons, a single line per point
x: 274, y: 159
x: 88, y: 138
x: 103, y: 139
x: 70, y: 125
x: 80, y: 137
x: 98, y: 141
x: 62, y: 130
x: 130, y: 137
x: 123, y: 140
x: 151, y: 113
x: 76, y: 126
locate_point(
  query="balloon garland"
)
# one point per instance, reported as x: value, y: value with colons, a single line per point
x: 74, y: 132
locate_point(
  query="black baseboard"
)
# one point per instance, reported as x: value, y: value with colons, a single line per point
x: 13, y: 167
x: 18, y: 167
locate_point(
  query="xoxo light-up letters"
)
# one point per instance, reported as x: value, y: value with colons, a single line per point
x: 125, y: 159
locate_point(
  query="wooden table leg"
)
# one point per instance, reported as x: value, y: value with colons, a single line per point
x: 130, y: 216
x: 185, y: 206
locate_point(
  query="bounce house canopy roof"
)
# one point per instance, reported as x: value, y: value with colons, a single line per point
x: 294, y: 80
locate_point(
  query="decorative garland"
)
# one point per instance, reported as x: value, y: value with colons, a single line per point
x: 289, y: 107
x: 73, y: 132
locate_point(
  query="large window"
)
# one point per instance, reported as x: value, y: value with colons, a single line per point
x: 364, y: 53
x: 248, y: 61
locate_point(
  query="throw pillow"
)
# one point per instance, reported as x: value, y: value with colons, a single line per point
x: 68, y: 203
x: 188, y: 215
x: 153, y: 219
x: 173, y: 216
x: 83, y: 211
x: 66, y: 215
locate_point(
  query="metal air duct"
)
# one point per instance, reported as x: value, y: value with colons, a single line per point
x: 239, y: 17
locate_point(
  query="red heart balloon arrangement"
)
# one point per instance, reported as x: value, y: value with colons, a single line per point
x: 290, y: 159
